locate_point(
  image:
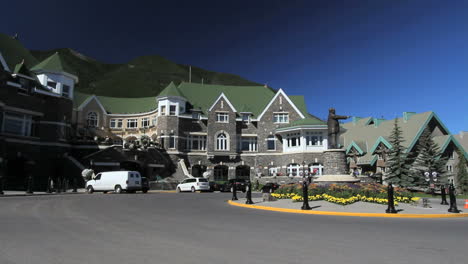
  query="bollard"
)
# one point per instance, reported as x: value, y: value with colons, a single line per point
x: 444, y: 195
x: 391, y: 202
x: 29, y: 189
x: 249, y: 193
x: 1, y: 185
x: 453, y: 200
x: 305, y: 195
x: 58, y: 188
x: 49, y: 185
x: 64, y: 185
x: 234, y: 191
x: 74, y: 185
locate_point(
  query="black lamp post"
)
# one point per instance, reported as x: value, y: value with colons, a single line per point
x: 391, y: 203
x: 249, y: 193
x: 305, y: 195
x: 431, y: 179
x: 453, y: 201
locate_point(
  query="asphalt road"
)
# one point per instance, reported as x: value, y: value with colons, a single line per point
x: 203, y: 228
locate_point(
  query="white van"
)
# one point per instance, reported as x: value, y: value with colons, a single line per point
x: 117, y: 181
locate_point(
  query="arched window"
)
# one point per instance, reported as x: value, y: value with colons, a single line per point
x: 92, y: 119
x: 221, y: 142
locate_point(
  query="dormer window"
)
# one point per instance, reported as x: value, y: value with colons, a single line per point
x: 65, y: 90
x: 172, y: 110
x: 163, y: 110
x: 51, y: 84
x: 246, y: 118
x: 196, y: 115
x: 222, y: 117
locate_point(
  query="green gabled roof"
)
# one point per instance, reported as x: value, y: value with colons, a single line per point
x: 244, y: 98
x: 21, y: 68
x: 14, y: 52
x: 171, y: 90
x: 116, y: 105
x: 303, y: 123
x: 54, y: 63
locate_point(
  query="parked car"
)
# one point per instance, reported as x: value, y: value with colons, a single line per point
x: 269, y: 187
x: 117, y: 181
x: 215, y: 186
x: 144, y: 184
x: 193, y: 185
x: 240, y: 185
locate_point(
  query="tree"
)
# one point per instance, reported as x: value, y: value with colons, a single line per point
x: 429, y: 159
x: 399, y: 169
x: 462, y: 173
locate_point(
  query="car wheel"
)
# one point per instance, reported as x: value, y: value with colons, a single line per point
x: 118, y: 189
x: 144, y: 190
x: 90, y: 189
x: 178, y: 190
x: 104, y: 192
x: 193, y: 189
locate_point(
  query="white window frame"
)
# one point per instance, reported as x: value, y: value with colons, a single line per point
x: 200, y: 142
x: 293, y: 169
x: 291, y: 137
x: 154, y: 121
x: 25, y: 121
x: 273, y: 171
x: 196, y: 115
x: 92, y: 119
x: 132, y: 121
x: 172, y: 142
x: 116, y: 123
x: 67, y: 94
x: 145, y: 120
x: 51, y: 81
x: 222, y: 143
x: 281, y: 118
x: 245, y: 118
x: 222, y: 117
x: 252, y: 144
x: 318, y: 136
x: 271, y: 138
x: 173, y: 113
x: 163, y: 110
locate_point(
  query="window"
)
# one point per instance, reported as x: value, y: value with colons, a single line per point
x: 132, y: 123
x: 51, y: 84
x: 452, y: 155
x: 116, y: 123
x: 272, y: 171
x: 271, y: 143
x: 154, y: 120
x: 65, y: 90
x: 248, y: 144
x: 221, y: 142
x: 196, y: 142
x: 222, y: 117
x: 293, y: 139
x: 246, y: 118
x: 92, y: 119
x: 196, y: 115
x: 293, y: 169
x: 145, y: 122
x: 163, y: 110
x: 162, y: 141
x: 172, y: 109
x: 18, y: 124
x: 449, y: 168
x: 314, y: 139
x: 172, y: 144
x: 281, y: 118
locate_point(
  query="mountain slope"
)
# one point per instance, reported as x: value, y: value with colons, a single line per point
x: 142, y: 77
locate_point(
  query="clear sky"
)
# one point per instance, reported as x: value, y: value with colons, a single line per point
x: 365, y: 58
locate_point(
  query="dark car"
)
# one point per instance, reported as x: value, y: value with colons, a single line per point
x: 240, y: 185
x: 215, y: 186
x: 144, y: 185
x: 269, y: 187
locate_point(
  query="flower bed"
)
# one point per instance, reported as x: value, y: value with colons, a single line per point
x: 344, y: 194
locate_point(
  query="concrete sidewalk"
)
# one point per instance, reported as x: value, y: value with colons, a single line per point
x: 359, y: 207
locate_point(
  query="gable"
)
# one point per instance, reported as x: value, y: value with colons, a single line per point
x: 222, y: 103
x: 281, y: 99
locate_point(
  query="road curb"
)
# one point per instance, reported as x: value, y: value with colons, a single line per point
x: 39, y: 194
x: 297, y: 211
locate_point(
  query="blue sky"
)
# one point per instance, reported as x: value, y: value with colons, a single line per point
x: 365, y: 58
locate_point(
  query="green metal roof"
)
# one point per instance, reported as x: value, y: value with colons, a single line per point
x: 171, y: 90
x: 244, y: 98
x: 14, y: 52
x: 303, y: 123
x: 116, y: 105
x: 54, y: 63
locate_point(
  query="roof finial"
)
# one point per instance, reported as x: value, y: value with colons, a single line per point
x: 265, y: 85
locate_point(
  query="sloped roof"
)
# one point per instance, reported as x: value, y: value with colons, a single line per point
x: 462, y: 138
x: 116, y: 105
x: 244, y: 98
x: 54, y: 63
x: 14, y: 52
x: 369, y: 134
x: 171, y: 90
x: 301, y: 123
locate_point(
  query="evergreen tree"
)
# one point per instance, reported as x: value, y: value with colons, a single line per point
x: 429, y: 159
x: 462, y: 173
x: 399, y: 169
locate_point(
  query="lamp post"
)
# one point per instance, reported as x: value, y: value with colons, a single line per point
x: 431, y: 179
x: 249, y: 193
x: 453, y: 201
x: 234, y: 190
x: 391, y: 203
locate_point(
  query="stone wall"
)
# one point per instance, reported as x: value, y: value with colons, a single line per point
x: 335, y: 162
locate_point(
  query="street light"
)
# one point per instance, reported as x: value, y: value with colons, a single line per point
x: 431, y: 179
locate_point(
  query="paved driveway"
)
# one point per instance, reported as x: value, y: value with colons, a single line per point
x: 202, y: 228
